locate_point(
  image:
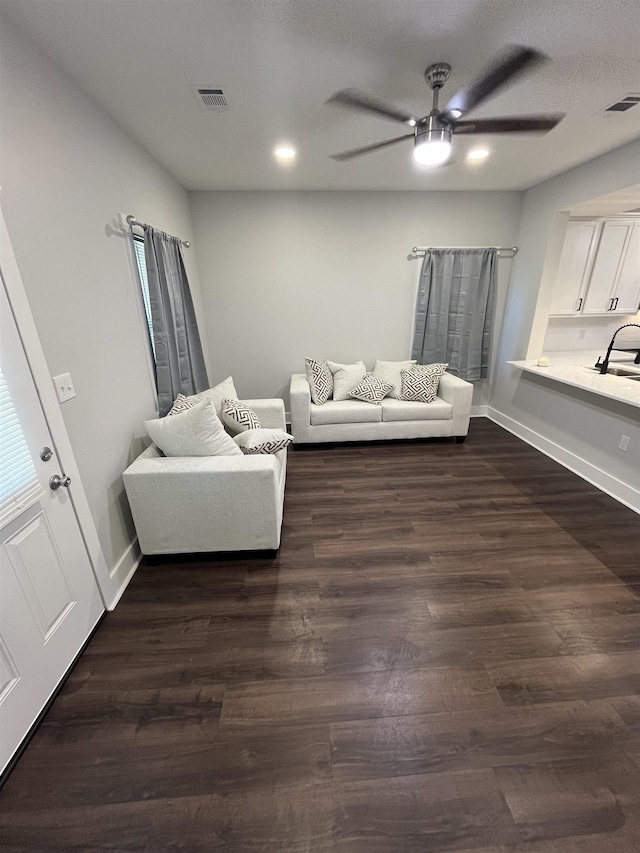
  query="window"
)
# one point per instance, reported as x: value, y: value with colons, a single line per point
x: 138, y: 245
x: 19, y: 483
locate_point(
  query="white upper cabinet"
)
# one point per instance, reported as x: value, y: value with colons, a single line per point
x: 601, y: 293
x: 599, y: 269
x: 578, y: 251
x: 627, y: 288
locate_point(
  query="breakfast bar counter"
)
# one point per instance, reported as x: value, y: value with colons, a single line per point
x: 577, y: 369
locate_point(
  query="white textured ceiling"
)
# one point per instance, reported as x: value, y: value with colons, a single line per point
x: 279, y: 60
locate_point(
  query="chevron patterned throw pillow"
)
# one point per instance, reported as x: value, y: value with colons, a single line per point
x: 420, y: 384
x: 371, y: 390
x: 320, y: 380
x: 238, y: 417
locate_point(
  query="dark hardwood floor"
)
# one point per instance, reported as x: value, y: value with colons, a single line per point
x: 444, y: 656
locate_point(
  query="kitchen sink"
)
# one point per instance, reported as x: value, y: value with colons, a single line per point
x: 625, y: 372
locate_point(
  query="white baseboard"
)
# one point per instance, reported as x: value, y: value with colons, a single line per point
x: 479, y: 411
x: 622, y: 492
x: 125, y: 568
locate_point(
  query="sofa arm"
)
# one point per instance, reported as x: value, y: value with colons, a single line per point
x: 270, y: 412
x: 206, y: 503
x: 458, y: 393
x: 300, y: 402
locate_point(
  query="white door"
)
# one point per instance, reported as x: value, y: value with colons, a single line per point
x: 49, y: 599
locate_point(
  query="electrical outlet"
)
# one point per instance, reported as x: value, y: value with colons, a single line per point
x: 582, y: 333
x: 64, y: 387
x: 623, y: 444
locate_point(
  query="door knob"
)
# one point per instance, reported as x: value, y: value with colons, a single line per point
x: 59, y: 480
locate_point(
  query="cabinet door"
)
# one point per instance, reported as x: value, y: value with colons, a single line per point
x: 599, y: 296
x: 573, y: 270
x: 627, y: 290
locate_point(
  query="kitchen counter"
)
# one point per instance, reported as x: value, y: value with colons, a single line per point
x: 574, y: 368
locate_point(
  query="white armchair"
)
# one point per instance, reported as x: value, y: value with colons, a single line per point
x: 210, y: 503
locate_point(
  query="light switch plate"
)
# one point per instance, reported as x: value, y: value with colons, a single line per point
x: 64, y: 387
x: 623, y: 444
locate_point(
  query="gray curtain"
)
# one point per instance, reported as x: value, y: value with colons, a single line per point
x: 180, y: 367
x: 454, y: 310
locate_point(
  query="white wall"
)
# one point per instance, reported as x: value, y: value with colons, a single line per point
x: 326, y: 274
x: 580, y: 428
x: 66, y: 170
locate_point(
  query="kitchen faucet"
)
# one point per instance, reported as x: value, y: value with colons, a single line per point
x: 603, y: 365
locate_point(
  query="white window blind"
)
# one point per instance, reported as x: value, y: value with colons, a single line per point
x: 138, y: 245
x: 19, y: 484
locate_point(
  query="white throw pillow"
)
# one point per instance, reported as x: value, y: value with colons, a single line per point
x: 389, y: 371
x: 371, y: 390
x: 420, y: 384
x: 263, y: 440
x: 320, y: 380
x: 346, y: 377
x: 196, y: 432
x: 237, y: 417
x: 224, y: 390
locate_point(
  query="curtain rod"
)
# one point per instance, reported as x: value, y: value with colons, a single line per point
x: 131, y: 221
x: 422, y: 249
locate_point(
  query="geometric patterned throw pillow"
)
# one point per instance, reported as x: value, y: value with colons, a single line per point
x: 262, y: 441
x: 238, y: 417
x: 181, y: 404
x: 389, y: 371
x: 420, y: 384
x: 371, y: 390
x: 320, y: 380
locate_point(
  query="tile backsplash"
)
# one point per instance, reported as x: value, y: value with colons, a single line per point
x: 565, y: 334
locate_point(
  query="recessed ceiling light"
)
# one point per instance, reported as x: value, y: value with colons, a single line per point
x: 285, y: 152
x: 477, y: 154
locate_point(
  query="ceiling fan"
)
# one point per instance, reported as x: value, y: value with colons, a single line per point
x: 432, y: 133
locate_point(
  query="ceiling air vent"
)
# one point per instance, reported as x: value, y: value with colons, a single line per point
x: 211, y: 100
x: 624, y: 104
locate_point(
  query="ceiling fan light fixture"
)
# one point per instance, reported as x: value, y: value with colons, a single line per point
x: 432, y: 153
x: 432, y: 147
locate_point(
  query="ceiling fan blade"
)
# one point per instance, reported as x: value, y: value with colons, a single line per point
x: 352, y: 99
x: 356, y: 152
x: 513, y: 124
x: 505, y: 68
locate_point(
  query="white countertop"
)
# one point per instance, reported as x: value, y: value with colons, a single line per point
x: 573, y: 368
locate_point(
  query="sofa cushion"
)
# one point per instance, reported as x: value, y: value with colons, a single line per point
x: 420, y: 384
x: 345, y: 412
x: 389, y: 371
x: 196, y: 432
x: 320, y: 380
x: 346, y: 377
x: 404, y: 410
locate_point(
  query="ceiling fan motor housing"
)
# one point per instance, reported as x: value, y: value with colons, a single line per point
x: 433, y: 130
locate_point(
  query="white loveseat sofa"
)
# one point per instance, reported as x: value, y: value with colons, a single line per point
x: 210, y: 503
x: 354, y: 420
